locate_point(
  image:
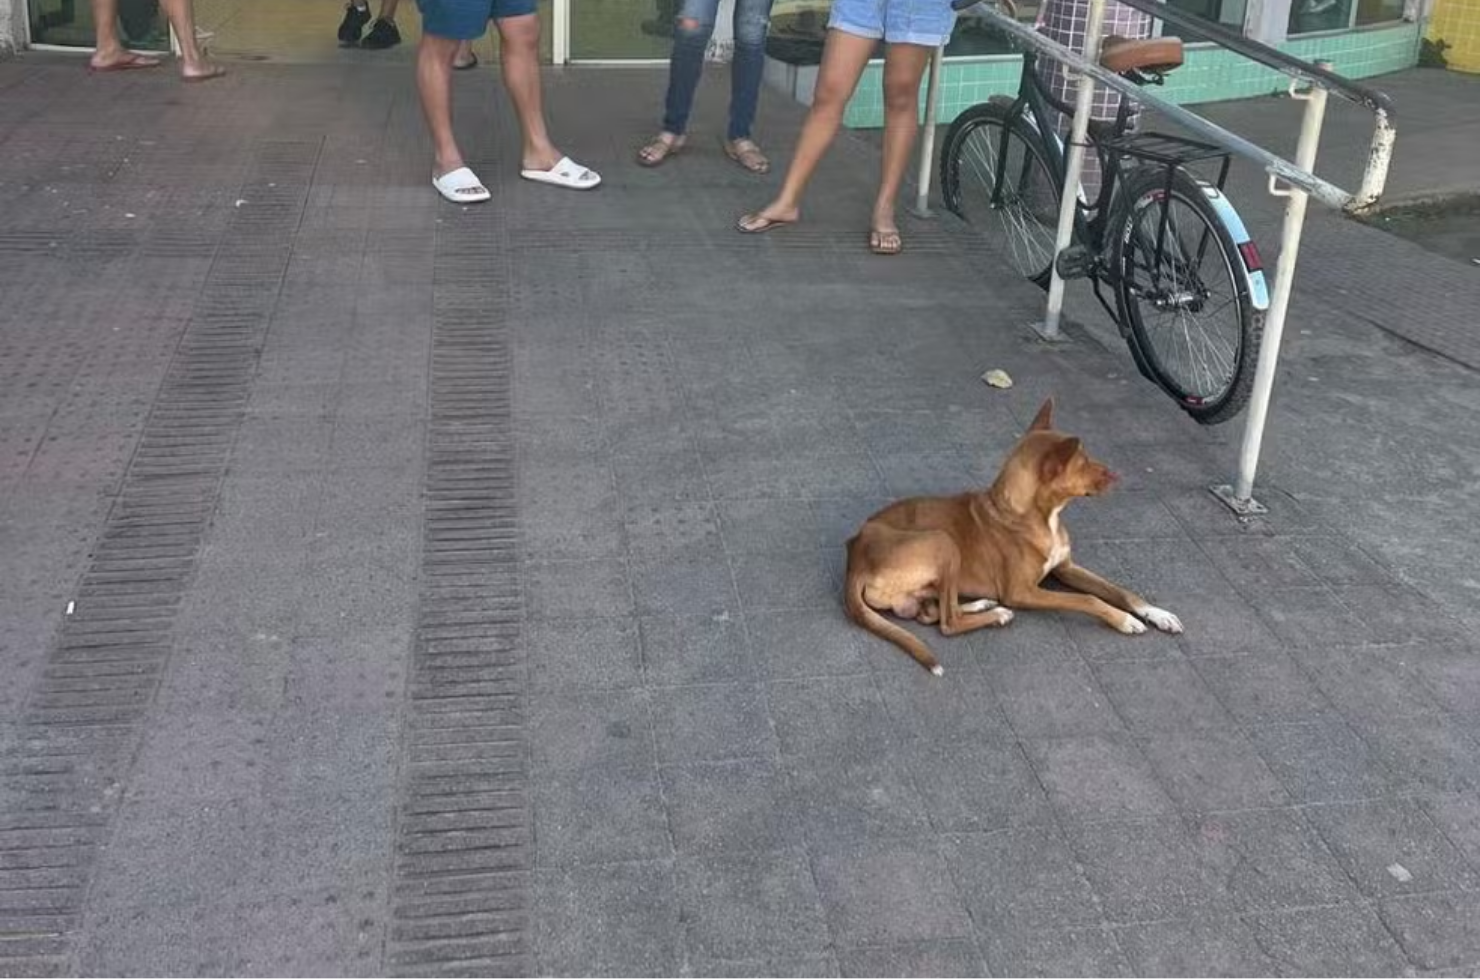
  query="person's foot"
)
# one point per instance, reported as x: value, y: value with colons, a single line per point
x: 885, y: 241
x: 768, y: 217
x: 202, y: 71
x: 745, y: 152
x: 355, y: 19
x: 659, y: 149
x: 383, y: 34
x: 120, y: 60
x: 564, y: 172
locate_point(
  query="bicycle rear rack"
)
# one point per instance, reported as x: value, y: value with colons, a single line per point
x: 1172, y: 152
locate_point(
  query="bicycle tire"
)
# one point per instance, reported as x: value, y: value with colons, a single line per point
x: 1216, y: 392
x: 1027, y: 224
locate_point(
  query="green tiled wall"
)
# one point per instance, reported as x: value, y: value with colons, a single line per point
x: 1210, y: 74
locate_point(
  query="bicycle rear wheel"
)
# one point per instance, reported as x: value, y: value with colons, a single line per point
x: 1186, y: 306
x: 983, y: 155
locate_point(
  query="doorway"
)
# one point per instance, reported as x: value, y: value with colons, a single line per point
x: 287, y: 31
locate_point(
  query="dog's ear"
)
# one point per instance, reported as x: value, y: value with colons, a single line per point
x: 1044, y: 418
x: 1057, y: 459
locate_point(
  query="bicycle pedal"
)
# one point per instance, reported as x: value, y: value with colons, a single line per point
x: 1075, y: 262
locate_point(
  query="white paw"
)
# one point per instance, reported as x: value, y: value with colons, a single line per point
x: 1007, y: 615
x: 978, y: 605
x: 938, y: 670
x: 1131, y: 625
x: 1161, y: 619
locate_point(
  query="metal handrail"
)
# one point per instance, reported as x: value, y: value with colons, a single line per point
x: 1374, y: 177
x: 1322, y: 190
x: 1262, y: 53
x: 1301, y: 181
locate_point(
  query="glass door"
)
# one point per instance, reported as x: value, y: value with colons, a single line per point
x: 623, y: 30
x: 69, y: 23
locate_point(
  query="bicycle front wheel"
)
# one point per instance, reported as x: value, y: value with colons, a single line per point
x: 996, y: 176
x: 1183, y: 295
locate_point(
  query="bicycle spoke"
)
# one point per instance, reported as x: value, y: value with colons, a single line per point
x: 1186, y: 323
x: 1012, y: 225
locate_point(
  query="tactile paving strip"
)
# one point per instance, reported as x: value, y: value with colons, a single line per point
x: 81, y: 725
x: 463, y: 839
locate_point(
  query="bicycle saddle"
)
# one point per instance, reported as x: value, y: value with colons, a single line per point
x: 1157, y: 55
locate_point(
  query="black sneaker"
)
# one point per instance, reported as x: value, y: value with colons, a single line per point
x: 383, y: 34
x: 355, y: 19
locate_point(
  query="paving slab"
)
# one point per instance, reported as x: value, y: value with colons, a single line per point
x: 394, y: 588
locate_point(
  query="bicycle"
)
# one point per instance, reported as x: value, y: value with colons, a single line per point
x: 1189, y: 287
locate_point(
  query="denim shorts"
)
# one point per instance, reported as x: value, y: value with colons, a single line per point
x: 466, y: 20
x: 927, y: 22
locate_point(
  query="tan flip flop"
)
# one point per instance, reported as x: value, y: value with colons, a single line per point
x: 656, y: 151
x: 746, y: 153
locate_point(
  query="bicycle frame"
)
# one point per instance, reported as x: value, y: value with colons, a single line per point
x: 1036, y: 106
x: 1033, y: 104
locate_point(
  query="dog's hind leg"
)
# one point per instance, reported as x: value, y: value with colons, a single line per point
x: 979, y: 605
x: 956, y: 618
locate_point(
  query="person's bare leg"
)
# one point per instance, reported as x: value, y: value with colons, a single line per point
x: 464, y: 57
x: 520, y: 61
x: 904, y: 65
x: 193, y: 64
x: 434, y: 83
x: 388, y: 9
x: 844, y: 56
x: 109, y: 49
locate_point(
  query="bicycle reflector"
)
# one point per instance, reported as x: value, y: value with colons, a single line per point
x: 1250, y: 252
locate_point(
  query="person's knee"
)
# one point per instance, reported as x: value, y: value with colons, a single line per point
x: 750, y: 24
x: 901, y: 98
x: 693, y: 29
x: 433, y: 49
x: 520, y: 33
x: 830, y: 96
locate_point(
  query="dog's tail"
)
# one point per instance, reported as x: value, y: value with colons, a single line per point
x: 864, y: 615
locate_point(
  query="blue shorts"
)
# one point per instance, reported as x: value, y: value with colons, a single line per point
x: 466, y: 20
x: 927, y: 22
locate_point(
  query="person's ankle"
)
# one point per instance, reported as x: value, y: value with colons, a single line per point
x: 542, y: 156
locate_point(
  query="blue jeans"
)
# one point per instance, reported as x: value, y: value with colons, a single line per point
x: 691, y: 39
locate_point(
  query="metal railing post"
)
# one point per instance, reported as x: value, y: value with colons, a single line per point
x: 1374, y: 178
x: 927, y: 137
x: 1073, y: 169
x: 560, y: 32
x: 1240, y: 496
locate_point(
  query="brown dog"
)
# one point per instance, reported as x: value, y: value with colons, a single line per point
x: 917, y: 558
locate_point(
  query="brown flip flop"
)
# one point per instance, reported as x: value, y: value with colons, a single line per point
x: 133, y: 62
x: 759, y: 224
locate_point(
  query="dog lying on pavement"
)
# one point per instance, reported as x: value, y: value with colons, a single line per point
x: 918, y: 558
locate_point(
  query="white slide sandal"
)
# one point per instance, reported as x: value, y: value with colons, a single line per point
x: 461, y: 186
x: 566, y: 173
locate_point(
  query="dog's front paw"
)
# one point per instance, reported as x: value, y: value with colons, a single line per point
x: 1130, y: 625
x: 1161, y: 619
